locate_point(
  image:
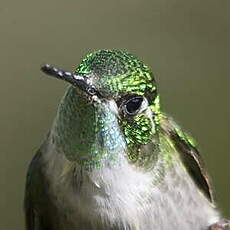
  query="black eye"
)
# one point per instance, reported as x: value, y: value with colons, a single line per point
x: 132, y: 106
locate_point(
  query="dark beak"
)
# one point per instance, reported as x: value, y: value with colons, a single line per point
x: 80, y: 81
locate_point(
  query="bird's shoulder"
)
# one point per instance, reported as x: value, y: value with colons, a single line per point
x: 189, y: 154
x: 36, y: 199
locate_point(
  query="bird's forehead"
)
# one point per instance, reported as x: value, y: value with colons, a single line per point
x: 115, y: 73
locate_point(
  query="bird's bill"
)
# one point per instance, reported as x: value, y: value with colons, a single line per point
x: 80, y: 81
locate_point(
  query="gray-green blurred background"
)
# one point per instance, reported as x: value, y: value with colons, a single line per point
x: 186, y: 42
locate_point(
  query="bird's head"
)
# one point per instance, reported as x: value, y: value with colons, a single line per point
x: 112, y: 106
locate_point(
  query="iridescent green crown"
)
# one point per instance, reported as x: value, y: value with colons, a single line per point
x: 118, y: 73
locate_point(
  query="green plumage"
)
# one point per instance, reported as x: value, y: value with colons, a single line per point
x: 113, y: 160
x: 118, y: 73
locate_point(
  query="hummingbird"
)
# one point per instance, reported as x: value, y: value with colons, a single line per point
x: 113, y: 160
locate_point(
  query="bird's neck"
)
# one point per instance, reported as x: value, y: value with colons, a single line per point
x: 91, y: 136
x: 87, y: 134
